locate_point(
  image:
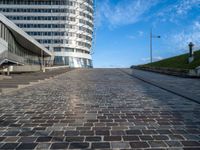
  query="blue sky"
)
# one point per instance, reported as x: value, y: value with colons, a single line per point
x: 123, y: 26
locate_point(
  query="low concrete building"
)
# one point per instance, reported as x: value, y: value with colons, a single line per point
x: 19, y: 51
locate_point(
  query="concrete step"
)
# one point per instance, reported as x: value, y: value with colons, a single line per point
x: 8, y: 85
x: 17, y: 81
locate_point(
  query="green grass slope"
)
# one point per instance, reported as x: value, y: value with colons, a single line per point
x: 178, y: 62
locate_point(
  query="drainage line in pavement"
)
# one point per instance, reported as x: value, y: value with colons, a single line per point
x: 161, y: 87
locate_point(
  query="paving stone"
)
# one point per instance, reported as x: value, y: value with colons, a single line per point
x: 176, y: 137
x: 83, y: 128
x: 139, y: 145
x: 175, y: 131
x: 59, y: 146
x: 11, y: 133
x: 146, y: 137
x: 149, y: 132
x: 190, y: 143
x: 93, y: 138
x: 42, y: 133
x: 27, y: 139
x: 57, y: 133
x: 112, y: 138
x: 174, y: 143
x: 85, y: 133
x: 101, y: 128
x: 11, y: 139
x: 26, y: 133
x: 79, y: 145
x: 43, y: 139
x: 71, y: 133
x: 73, y: 139
x: 131, y: 138
x: 27, y: 146
x: 58, y: 139
x: 101, y: 132
x: 157, y: 144
x: 43, y: 146
x: 133, y: 132
x: 164, y: 131
x: 100, y: 145
x: 9, y: 146
x: 160, y: 137
x: 117, y: 132
x: 122, y: 145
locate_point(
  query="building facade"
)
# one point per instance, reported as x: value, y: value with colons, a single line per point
x: 64, y: 27
x: 18, y: 49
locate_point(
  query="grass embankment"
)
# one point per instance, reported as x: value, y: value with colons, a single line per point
x: 178, y: 62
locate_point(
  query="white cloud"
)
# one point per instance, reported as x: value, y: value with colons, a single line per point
x: 140, y: 33
x: 136, y: 35
x: 131, y: 11
x: 125, y: 11
x: 192, y: 34
x: 131, y: 37
x: 177, y: 10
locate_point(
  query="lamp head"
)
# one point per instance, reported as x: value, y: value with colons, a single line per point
x: 191, y: 44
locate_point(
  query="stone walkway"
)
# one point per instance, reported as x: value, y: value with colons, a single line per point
x: 97, y: 109
x: 188, y: 85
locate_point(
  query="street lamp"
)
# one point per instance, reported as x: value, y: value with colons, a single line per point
x: 151, y: 37
x: 191, y: 53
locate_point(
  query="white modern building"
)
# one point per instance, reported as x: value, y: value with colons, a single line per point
x: 64, y: 27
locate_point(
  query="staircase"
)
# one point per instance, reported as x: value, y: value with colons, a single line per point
x: 18, y: 81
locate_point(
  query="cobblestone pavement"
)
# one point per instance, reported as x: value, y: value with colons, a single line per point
x: 189, y: 85
x: 97, y: 109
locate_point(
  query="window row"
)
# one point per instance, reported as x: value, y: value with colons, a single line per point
x: 82, y: 51
x: 84, y: 29
x: 38, y: 10
x: 25, y: 10
x: 86, y: 22
x: 83, y: 44
x: 49, y: 2
x: 70, y: 34
x: 63, y: 49
x: 41, y: 18
x: 63, y: 41
x: 55, y: 41
x: 67, y: 26
x: 43, y: 2
x: 46, y: 26
x: 86, y: 15
x: 67, y: 49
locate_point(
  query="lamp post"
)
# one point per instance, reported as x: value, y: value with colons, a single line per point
x: 151, y: 45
